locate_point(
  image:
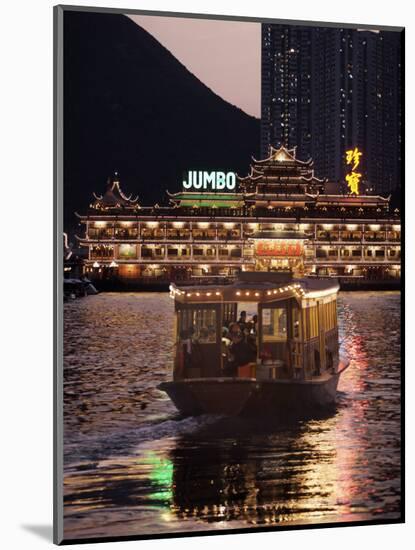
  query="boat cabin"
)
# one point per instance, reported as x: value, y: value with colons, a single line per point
x: 264, y: 326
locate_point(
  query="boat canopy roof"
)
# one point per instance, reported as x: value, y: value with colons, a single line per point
x: 245, y: 290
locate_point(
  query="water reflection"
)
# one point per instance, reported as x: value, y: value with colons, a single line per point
x: 132, y: 470
x: 278, y: 475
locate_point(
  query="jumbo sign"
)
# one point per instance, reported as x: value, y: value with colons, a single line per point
x: 212, y: 181
x: 279, y: 248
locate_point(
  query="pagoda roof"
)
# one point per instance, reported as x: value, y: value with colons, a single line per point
x: 113, y: 196
x: 281, y: 170
x: 285, y: 156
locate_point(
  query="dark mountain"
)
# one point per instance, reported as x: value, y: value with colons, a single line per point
x: 130, y: 106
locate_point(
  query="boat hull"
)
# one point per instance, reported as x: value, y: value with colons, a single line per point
x: 248, y: 396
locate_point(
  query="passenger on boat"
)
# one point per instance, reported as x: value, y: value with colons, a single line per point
x: 242, y: 320
x: 252, y: 343
x: 241, y: 351
x: 234, y: 330
x: 255, y: 325
x: 225, y: 337
x: 225, y: 349
x: 207, y: 335
x: 248, y: 328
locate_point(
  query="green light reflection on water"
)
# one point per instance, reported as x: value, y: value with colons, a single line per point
x: 161, y: 475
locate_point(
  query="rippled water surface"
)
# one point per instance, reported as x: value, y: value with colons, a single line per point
x: 133, y: 466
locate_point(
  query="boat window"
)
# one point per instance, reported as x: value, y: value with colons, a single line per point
x: 274, y: 324
x: 330, y: 315
x: 312, y: 322
x: 296, y: 315
x: 198, y: 324
x: 229, y: 313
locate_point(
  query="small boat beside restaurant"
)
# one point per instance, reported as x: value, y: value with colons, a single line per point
x: 265, y: 345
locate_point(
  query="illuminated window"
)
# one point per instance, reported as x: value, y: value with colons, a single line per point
x: 274, y: 324
x: 127, y: 251
x: 199, y: 325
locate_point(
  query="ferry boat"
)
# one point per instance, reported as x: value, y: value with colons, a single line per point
x: 266, y: 344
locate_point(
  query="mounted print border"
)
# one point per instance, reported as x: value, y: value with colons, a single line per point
x: 228, y: 253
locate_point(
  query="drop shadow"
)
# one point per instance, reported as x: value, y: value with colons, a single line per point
x: 45, y: 532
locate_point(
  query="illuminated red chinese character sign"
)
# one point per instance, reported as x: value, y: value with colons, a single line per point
x: 279, y: 248
x: 353, y: 178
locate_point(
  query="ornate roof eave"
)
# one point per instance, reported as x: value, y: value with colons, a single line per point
x: 213, y: 194
x: 385, y: 199
x: 292, y: 153
x: 120, y: 203
x: 262, y: 161
x: 314, y: 178
x: 369, y: 199
x: 253, y: 170
x: 250, y: 177
x: 253, y: 174
x: 289, y: 154
x: 299, y: 196
x: 125, y: 201
x: 114, y: 196
x: 116, y: 189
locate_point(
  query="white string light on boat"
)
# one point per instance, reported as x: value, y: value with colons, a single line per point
x: 174, y: 291
x: 296, y: 289
x: 199, y: 294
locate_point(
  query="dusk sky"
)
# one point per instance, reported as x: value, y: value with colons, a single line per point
x: 224, y: 55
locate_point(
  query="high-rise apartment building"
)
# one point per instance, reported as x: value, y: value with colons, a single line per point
x: 286, y: 88
x: 326, y: 90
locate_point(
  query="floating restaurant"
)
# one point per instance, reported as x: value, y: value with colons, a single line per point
x: 278, y: 217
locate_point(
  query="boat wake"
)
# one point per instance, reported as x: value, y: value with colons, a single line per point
x: 97, y: 447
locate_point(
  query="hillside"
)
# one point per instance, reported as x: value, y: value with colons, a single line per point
x: 130, y: 106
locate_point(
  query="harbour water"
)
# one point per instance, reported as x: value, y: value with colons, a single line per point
x: 133, y: 466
